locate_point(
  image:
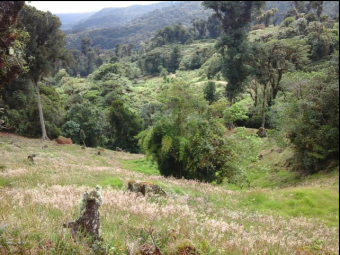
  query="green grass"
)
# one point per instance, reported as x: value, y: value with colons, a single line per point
x: 315, y: 203
x: 5, y: 182
x: 141, y: 165
x: 114, y: 182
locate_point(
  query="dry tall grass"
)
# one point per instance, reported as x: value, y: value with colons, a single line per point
x: 196, y: 218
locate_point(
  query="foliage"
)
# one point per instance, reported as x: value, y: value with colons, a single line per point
x: 12, y: 42
x: 266, y: 17
x: 53, y: 110
x: 71, y: 130
x: 105, y: 70
x: 170, y: 34
x: 247, y: 146
x: 184, y: 143
x: 311, y: 119
x: 323, y: 42
x: 270, y: 61
x: 46, y: 44
x: 150, y: 112
x: 124, y: 126
x: 22, y: 111
x: 235, y: 17
x: 110, y: 62
x: 235, y: 112
x: 87, y: 59
x: 287, y: 21
x: 90, y: 119
x: 45, y: 50
x: 140, y: 29
x: 210, y: 92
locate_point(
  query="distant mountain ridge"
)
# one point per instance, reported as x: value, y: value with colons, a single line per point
x: 114, y: 17
x: 138, y: 29
x: 68, y: 20
x: 137, y: 23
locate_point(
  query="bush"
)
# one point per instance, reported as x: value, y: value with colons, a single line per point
x: 287, y: 21
x: 71, y: 130
x: 186, y: 144
x: 311, y: 122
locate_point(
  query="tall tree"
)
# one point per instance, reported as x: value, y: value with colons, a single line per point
x: 271, y: 60
x: 45, y: 47
x: 235, y: 17
x: 12, y: 42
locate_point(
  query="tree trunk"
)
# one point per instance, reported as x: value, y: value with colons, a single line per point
x: 41, y: 115
x: 264, y: 101
x: 230, y: 97
x: 255, y: 97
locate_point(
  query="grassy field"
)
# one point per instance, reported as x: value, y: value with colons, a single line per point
x: 279, y: 213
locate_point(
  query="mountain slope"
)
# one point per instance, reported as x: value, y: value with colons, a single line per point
x: 114, y: 17
x: 69, y: 19
x: 141, y: 28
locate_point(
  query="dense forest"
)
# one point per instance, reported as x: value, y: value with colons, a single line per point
x: 172, y: 90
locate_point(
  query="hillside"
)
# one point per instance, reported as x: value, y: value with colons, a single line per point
x: 192, y: 101
x: 69, y: 19
x: 114, y: 17
x: 37, y: 198
x: 130, y: 29
x: 131, y: 25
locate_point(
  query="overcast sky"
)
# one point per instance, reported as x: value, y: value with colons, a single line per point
x: 81, y: 6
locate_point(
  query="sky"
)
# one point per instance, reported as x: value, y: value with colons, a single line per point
x: 57, y: 7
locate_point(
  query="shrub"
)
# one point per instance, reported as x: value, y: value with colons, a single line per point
x: 287, y: 21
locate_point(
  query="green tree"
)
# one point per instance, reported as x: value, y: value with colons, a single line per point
x: 201, y: 27
x: 71, y: 129
x: 235, y: 17
x: 89, y: 118
x: 175, y: 58
x: 310, y: 118
x: 271, y: 60
x: 125, y: 125
x: 214, y: 26
x: 323, y: 42
x: 185, y: 143
x: 210, y: 92
x: 12, y: 42
x: 45, y: 47
x: 236, y: 112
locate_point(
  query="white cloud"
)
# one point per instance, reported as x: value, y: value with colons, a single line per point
x: 81, y: 6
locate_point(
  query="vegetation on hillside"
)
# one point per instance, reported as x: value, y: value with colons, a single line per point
x: 238, y: 119
x: 38, y: 197
x: 103, y: 95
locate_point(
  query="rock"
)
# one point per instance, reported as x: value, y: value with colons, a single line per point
x: 63, y: 140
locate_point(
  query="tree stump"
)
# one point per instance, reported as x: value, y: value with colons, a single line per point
x: 145, y: 188
x: 262, y: 132
x: 88, y: 223
x: 30, y: 158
